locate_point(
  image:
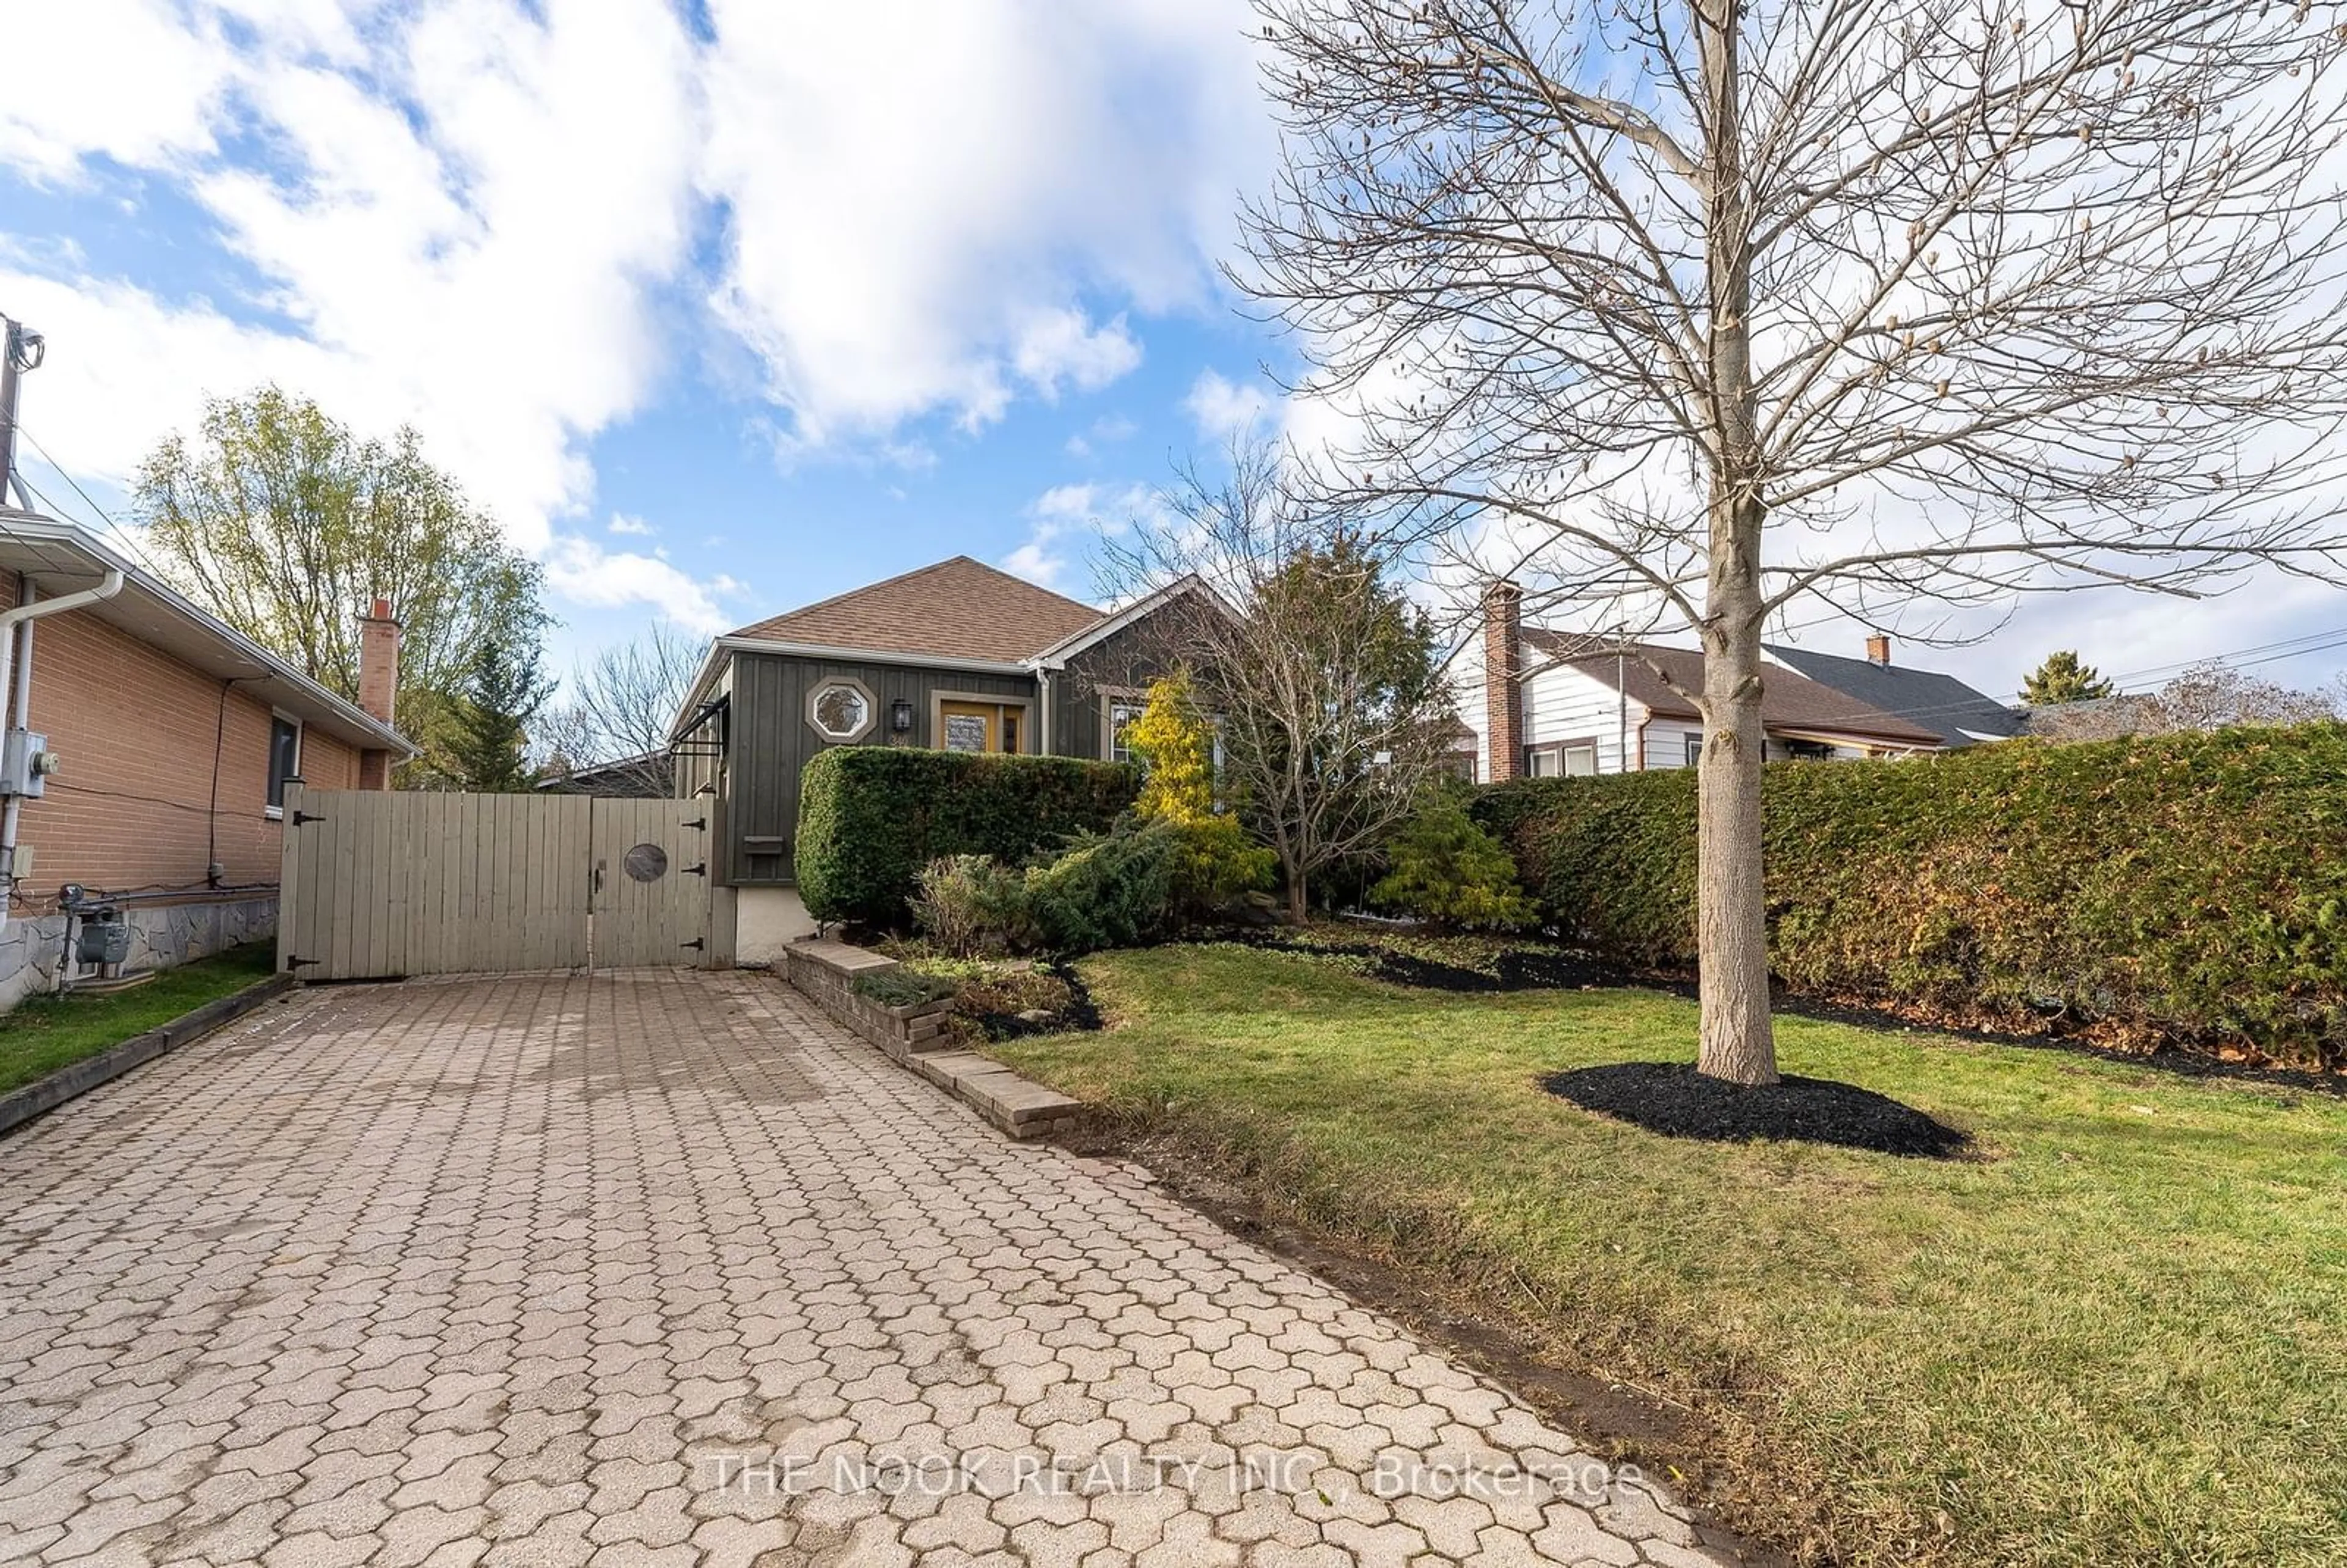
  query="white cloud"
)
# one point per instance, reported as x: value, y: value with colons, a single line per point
x: 152, y: 91
x: 1105, y: 431
x: 1063, y: 343
x: 586, y: 573
x: 418, y: 229
x: 1065, y: 518
x: 923, y: 237
x: 1222, y: 408
x: 621, y: 523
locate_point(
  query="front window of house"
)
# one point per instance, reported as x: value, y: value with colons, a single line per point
x: 1572, y: 759
x: 1121, y: 713
x: 284, y: 758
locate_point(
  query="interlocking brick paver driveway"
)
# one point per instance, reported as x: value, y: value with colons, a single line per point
x: 666, y: 1270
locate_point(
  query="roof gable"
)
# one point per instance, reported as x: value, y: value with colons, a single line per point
x: 1789, y: 700
x: 956, y: 609
x: 1188, y: 585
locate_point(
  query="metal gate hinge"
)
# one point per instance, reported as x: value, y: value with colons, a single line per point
x: 302, y: 816
x: 699, y: 825
x: 292, y: 963
x: 695, y: 943
x: 699, y: 870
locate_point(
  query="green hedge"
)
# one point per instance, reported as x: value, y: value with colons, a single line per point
x: 870, y: 817
x: 2191, y: 889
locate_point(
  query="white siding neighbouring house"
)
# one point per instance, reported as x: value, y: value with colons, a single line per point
x: 1569, y: 704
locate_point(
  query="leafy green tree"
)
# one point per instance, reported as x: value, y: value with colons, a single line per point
x: 488, y: 736
x: 1175, y: 742
x: 1447, y: 869
x: 2063, y: 679
x: 280, y: 520
x: 1213, y: 861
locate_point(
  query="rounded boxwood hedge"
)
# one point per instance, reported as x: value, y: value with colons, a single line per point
x: 870, y: 817
x: 2187, y: 889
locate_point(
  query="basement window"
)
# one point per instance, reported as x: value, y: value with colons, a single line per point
x: 285, y: 759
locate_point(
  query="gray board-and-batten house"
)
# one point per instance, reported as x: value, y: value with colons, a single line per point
x: 957, y: 655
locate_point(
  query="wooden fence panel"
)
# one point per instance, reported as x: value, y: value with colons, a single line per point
x: 377, y: 886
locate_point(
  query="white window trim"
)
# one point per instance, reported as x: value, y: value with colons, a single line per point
x: 300, y: 742
x: 1112, y: 698
x: 824, y: 684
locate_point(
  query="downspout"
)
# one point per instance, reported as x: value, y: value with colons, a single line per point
x: 1043, y: 699
x: 1622, y: 713
x: 17, y: 680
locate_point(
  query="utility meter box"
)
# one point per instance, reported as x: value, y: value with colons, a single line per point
x: 26, y: 764
x: 105, y: 940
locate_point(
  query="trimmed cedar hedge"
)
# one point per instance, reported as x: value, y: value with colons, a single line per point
x: 2187, y: 889
x: 870, y: 818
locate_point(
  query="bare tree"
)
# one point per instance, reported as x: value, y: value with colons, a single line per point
x: 1731, y: 306
x: 2211, y: 695
x: 1325, y: 679
x: 619, y: 706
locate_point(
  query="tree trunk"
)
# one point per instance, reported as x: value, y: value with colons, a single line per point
x: 1299, y: 907
x: 1731, y: 913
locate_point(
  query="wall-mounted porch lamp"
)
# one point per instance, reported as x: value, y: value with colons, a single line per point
x: 900, y: 717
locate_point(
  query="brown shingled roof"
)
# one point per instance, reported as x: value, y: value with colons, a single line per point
x: 1787, y: 701
x: 958, y: 608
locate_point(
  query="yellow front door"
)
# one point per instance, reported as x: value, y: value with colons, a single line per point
x: 980, y: 726
x: 970, y: 726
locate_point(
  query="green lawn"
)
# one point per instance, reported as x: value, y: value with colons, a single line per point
x: 2120, y: 1336
x: 45, y: 1033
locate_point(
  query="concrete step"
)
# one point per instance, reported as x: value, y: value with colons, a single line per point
x: 1020, y: 1107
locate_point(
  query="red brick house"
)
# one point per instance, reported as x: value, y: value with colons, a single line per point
x: 170, y: 736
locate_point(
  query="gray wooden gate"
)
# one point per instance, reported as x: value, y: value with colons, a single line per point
x: 377, y: 885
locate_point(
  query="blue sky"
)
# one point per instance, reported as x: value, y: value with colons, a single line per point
x: 721, y: 306
x: 774, y: 328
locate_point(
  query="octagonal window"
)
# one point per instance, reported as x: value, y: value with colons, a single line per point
x: 841, y: 709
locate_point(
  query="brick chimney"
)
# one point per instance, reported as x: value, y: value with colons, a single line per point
x: 1503, y: 679
x: 1878, y: 650
x: 378, y: 685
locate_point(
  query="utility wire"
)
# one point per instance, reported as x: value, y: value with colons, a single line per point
x: 45, y: 548
x: 114, y: 528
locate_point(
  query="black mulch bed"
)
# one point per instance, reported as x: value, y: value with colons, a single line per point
x: 1673, y: 1098
x: 1079, y: 1012
x: 1520, y: 969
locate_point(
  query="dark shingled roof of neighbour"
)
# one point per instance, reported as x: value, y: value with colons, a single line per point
x: 1789, y: 700
x: 1959, y: 714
